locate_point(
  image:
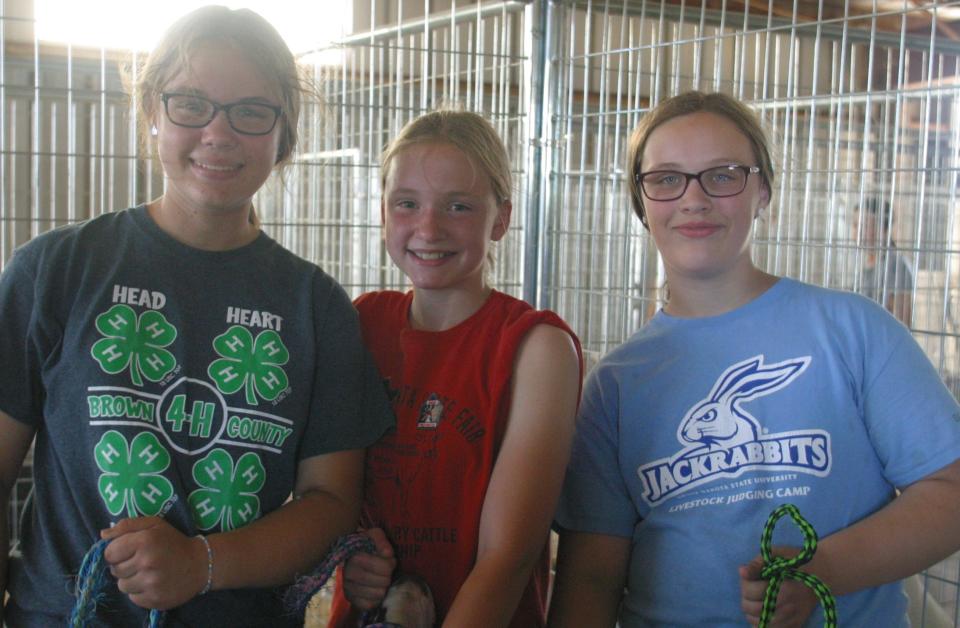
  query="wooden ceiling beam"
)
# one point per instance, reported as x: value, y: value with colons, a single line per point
x: 809, y: 11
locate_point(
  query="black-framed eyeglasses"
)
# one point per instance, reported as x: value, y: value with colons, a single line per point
x: 192, y: 111
x: 719, y: 181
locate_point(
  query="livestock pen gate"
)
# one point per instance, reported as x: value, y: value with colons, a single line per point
x: 860, y: 96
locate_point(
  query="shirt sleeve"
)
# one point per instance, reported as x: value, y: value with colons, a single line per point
x: 25, y: 340
x: 595, y: 497
x: 349, y: 406
x: 912, y: 419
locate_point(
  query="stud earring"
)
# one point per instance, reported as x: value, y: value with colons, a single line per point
x: 153, y: 130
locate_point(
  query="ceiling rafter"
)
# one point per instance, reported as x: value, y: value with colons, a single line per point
x: 889, y: 15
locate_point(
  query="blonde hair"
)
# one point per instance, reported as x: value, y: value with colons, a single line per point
x: 469, y: 132
x: 249, y: 33
x: 742, y: 116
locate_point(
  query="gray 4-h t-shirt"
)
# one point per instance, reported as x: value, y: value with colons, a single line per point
x: 166, y: 380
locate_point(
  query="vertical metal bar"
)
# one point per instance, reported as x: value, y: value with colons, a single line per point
x: 554, y: 125
x: 35, y: 180
x: 582, y: 167
x: 698, y: 45
x: 455, y: 59
x: 950, y: 175
x: 658, y: 61
x: 791, y: 127
x: 765, y: 91
x: 921, y: 202
x: 602, y: 230
x: 739, y: 56
x: 536, y: 73
x: 719, y: 42
x: 898, y: 139
x: 805, y: 261
x: 13, y: 165
x: 348, y: 239
x: 5, y: 213
x: 52, y: 177
x: 398, y: 81
x: 675, y: 52
x: 836, y: 114
x: 132, y: 144
x: 436, y: 62
x: 479, y: 61
x: 425, y: 58
x: 572, y: 219
x: 623, y: 274
x: 102, y: 148
x: 770, y: 91
x: 110, y: 156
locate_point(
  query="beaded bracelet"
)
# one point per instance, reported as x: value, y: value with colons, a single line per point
x: 206, y: 544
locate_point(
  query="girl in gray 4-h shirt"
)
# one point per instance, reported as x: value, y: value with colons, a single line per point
x: 183, y: 373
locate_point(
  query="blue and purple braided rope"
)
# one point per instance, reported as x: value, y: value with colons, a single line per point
x: 92, y: 578
x: 90, y: 583
x: 299, y: 594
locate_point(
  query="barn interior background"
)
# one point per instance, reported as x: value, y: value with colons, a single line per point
x: 861, y: 97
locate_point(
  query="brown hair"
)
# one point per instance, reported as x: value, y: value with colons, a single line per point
x: 248, y: 32
x: 742, y: 116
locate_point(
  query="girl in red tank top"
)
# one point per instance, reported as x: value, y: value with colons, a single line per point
x: 484, y: 388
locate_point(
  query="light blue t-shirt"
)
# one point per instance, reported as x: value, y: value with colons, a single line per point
x: 694, y: 430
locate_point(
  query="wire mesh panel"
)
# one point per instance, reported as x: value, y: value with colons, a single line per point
x: 860, y: 100
x: 68, y: 150
x: 859, y: 96
x: 476, y: 56
x: 857, y: 109
x: 67, y: 147
x: 470, y: 56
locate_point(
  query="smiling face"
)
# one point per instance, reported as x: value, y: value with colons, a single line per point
x: 214, y: 168
x: 440, y: 215
x: 700, y: 236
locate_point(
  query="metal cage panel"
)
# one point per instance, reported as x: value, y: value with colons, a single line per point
x: 859, y: 96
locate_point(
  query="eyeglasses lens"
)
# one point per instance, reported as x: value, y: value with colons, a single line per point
x: 249, y: 118
x: 667, y: 185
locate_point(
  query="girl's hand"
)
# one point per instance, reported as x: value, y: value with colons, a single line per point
x: 795, y: 602
x: 155, y: 564
x: 366, y: 577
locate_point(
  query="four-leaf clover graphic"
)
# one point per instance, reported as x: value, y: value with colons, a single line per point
x: 135, y: 343
x: 254, y: 364
x: 229, y: 494
x: 131, y: 476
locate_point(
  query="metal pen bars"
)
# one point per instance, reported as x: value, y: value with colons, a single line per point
x: 860, y: 97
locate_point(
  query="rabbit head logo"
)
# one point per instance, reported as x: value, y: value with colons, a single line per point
x: 719, y: 419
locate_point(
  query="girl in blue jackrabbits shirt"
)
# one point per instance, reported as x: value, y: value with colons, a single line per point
x: 745, y: 392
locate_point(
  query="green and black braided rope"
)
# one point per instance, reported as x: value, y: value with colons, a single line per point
x: 777, y: 568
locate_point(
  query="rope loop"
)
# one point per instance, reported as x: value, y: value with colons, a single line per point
x: 303, y: 589
x: 89, y: 592
x: 778, y: 568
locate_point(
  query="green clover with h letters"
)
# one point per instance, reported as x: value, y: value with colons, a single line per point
x: 228, y: 494
x: 249, y: 363
x: 138, y: 344
x: 131, y: 476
